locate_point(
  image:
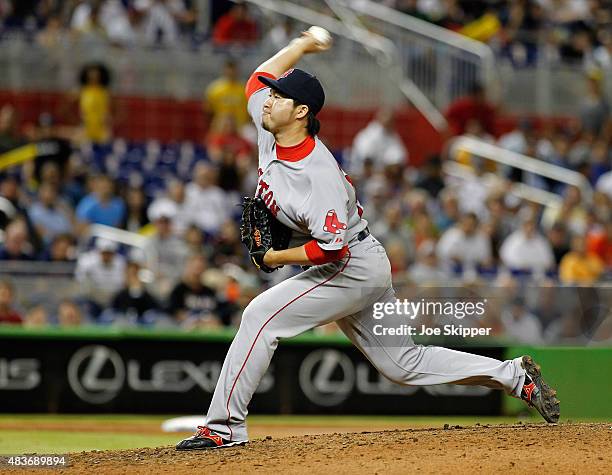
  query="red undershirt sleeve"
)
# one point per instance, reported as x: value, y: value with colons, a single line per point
x: 253, y: 84
x: 320, y: 256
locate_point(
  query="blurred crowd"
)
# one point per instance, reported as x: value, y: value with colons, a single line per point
x: 524, y: 32
x: 129, y: 23
x: 151, y: 234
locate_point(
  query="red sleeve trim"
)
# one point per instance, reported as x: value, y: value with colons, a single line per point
x: 320, y: 256
x: 253, y: 84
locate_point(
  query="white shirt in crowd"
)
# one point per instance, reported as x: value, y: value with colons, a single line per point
x: 520, y: 252
x: 377, y: 143
x: 604, y: 184
x: 100, y: 281
x: 525, y: 328
x: 113, y: 18
x: 471, y: 250
x: 208, y: 208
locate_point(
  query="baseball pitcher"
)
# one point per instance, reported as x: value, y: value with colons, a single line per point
x: 303, y: 188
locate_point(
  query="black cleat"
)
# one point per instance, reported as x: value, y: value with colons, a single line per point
x: 536, y: 393
x: 204, y: 438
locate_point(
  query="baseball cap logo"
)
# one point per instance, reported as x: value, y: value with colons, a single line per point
x: 287, y: 73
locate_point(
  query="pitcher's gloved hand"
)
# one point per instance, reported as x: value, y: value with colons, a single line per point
x: 261, y: 231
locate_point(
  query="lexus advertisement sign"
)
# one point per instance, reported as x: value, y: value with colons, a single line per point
x: 167, y: 376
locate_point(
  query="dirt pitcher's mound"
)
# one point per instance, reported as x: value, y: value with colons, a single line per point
x: 518, y: 448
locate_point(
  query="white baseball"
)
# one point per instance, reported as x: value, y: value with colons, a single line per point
x: 320, y: 34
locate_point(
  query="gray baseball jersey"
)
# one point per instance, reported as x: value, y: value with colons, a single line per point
x: 304, y: 187
x: 308, y: 192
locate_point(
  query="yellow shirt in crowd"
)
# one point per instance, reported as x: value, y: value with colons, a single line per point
x: 94, y: 103
x: 225, y: 97
x: 580, y: 269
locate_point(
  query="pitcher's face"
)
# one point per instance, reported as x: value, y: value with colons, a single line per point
x: 280, y: 111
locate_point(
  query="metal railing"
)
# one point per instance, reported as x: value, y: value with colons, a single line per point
x: 442, y: 63
x: 386, y: 53
x: 520, y: 190
x: 523, y: 162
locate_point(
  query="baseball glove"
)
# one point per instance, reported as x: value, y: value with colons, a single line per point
x: 260, y: 231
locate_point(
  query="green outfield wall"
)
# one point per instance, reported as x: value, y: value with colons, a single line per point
x: 582, y: 376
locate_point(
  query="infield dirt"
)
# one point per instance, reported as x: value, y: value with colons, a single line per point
x: 517, y: 448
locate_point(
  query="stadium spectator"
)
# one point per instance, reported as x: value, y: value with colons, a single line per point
x: 49, y: 215
x: 379, y: 142
x: 579, y: 267
x: 207, y: 205
x: 281, y: 33
x: 75, y: 176
x: 465, y: 247
x: 604, y: 184
x: 498, y: 222
x: 520, y: 324
x: 8, y: 314
x: 136, y: 210
x: 516, y: 140
x: 84, y: 15
x: 161, y: 20
x: 175, y: 195
x: 61, y: 249
x: 101, y: 206
x: 103, y: 20
x: 227, y: 247
x: 393, y: 227
x: 473, y: 190
x: 194, y: 240
x: 100, y: 274
x: 69, y: 314
x: 521, y: 34
x: 236, y: 27
x: 527, y: 251
x: 231, y: 174
x: 36, y: 317
x: 225, y: 97
x: 595, y: 109
x: 191, y: 303
x: 426, y: 269
x: 598, y: 162
x: 118, y: 23
x: 398, y: 259
x: 53, y: 34
x: 167, y: 251
x: 602, y: 55
x: 430, y: 177
x: 16, y: 245
x: 9, y: 134
x: 224, y: 140
x: 572, y: 212
x: 8, y: 198
x: 95, y: 103
x: 601, y: 208
x: 448, y: 214
x: 134, y: 302
x: 559, y: 241
x: 599, y: 242
x: 473, y: 107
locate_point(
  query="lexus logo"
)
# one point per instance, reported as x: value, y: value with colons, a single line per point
x: 96, y: 374
x: 327, y: 377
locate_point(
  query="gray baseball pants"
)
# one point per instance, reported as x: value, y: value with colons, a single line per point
x: 345, y: 292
